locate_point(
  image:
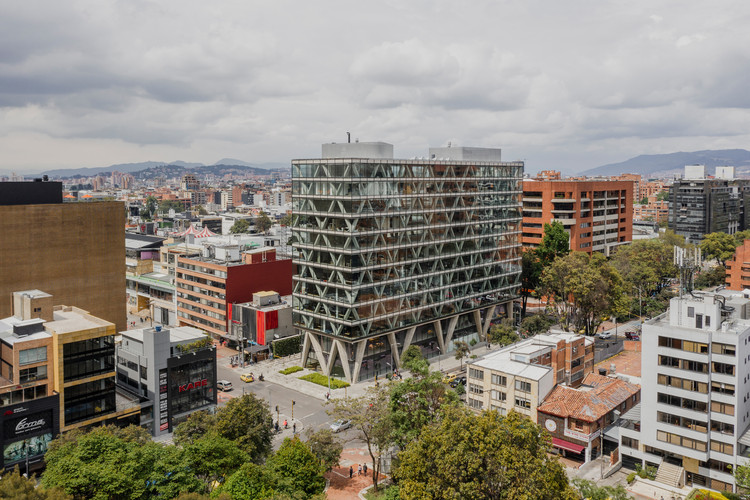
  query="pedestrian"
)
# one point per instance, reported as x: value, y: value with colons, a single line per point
x: 328, y: 396
x: 286, y: 424
x: 351, y: 471
x: 359, y: 469
x: 294, y: 428
x: 364, y: 468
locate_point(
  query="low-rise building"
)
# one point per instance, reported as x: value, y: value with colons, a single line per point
x: 577, y: 417
x: 738, y: 268
x: 172, y: 371
x: 258, y: 323
x: 520, y: 376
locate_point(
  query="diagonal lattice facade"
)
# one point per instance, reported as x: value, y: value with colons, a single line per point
x: 394, y: 252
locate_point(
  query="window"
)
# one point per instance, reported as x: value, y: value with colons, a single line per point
x: 475, y: 403
x: 499, y: 380
x: 722, y: 427
x: 722, y: 368
x: 724, y: 408
x: 32, y: 374
x: 722, y: 388
x: 688, y: 404
x: 682, y: 383
x: 630, y: 442
x: 691, y: 312
x: 28, y: 356
x: 726, y: 349
x: 499, y: 395
x: 523, y: 403
x: 476, y: 389
x: 677, y: 440
x: 724, y: 448
x: 474, y: 373
x: 523, y: 386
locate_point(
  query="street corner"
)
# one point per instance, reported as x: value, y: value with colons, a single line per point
x: 223, y: 397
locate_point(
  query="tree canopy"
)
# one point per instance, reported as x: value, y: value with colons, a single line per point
x: 325, y: 446
x: 240, y: 226
x: 555, y: 243
x: 369, y: 415
x: 247, y: 421
x: 503, y: 334
x: 584, y: 288
x: 531, y: 273
x: 483, y: 456
x: 719, y: 246
x: 263, y: 222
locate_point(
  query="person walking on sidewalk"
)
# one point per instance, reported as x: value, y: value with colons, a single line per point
x: 364, y: 469
x: 351, y: 471
x: 359, y: 469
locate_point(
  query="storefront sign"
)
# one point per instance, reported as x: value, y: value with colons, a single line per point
x: 163, y: 403
x: 193, y: 385
x: 580, y: 436
x: 30, y: 424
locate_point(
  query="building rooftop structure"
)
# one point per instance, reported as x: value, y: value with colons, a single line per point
x: 593, y: 399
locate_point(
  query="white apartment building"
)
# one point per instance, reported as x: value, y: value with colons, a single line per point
x: 695, y: 396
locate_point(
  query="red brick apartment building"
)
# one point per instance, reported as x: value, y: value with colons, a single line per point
x: 208, y: 285
x: 738, y: 269
x: 597, y: 214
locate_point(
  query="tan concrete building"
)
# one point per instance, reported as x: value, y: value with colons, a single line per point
x: 518, y: 377
x: 73, y: 251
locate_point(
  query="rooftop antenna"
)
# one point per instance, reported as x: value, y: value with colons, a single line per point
x: 687, y: 261
x: 348, y: 137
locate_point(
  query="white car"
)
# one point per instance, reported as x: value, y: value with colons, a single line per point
x: 604, y: 335
x: 340, y: 425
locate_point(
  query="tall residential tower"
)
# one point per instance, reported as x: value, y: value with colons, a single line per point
x: 392, y: 252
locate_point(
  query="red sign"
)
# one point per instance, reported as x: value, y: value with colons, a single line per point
x: 193, y: 385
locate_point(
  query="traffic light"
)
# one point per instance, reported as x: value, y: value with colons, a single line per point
x: 277, y: 408
x: 293, y: 402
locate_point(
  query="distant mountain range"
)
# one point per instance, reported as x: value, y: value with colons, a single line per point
x: 153, y: 169
x: 667, y: 165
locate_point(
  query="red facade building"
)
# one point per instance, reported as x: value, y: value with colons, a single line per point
x: 208, y: 286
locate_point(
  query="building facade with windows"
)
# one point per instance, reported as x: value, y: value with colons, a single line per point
x: 520, y: 376
x: 172, y: 371
x: 57, y: 367
x: 738, y: 268
x: 597, y: 214
x: 695, y: 409
x: 394, y: 252
x: 208, y: 285
x: 699, y: 205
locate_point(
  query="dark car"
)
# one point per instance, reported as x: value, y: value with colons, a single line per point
x: 632, y: 336
x: 458, y: 380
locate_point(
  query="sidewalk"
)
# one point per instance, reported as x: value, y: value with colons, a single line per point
x: 270, y: 371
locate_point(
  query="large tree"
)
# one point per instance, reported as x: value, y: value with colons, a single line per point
x: 14, y: 485
x: 416, y: 402
x: 484, y: 456
x: 719, y: 246
x: 503, y: 334
x: 194, y: 427
x: 104, y: 465
x: 462, y: 350
x: 369, y: 415
x: 555, y: 243
x: 413, y: 360
x: 325, y: 446
x: 240, y: 226
x: 247, y: 421
x: 213, y: 457
x: 297, y: 469
x: 584, y: 288
x: 531, y: 272
x: 263, y: 222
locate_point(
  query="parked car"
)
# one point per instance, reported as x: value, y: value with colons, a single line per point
x: 458, y: 380
x: 224, y: 385
x: 247, y: 377
x: 448, y: 378
x: 604, y: 335
x: 632, y: 336
x: 340, y: 425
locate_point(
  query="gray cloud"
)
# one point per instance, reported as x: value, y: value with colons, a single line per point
x: 562, y: 84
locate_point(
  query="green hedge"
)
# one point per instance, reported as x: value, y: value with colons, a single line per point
x: 287, y: 346
x: 291, y: 369
x: 320, y: 379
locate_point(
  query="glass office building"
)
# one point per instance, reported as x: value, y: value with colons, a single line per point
x: 391, y: 252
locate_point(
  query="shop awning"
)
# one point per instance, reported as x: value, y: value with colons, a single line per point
x: 255, y: 348
x: 564, y: 445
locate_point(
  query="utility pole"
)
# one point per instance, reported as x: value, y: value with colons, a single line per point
x: 293, y: 403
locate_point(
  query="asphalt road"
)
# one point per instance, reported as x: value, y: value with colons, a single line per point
x: 308, y: 411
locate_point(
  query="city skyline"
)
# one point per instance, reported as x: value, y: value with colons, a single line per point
x: 568, y: 87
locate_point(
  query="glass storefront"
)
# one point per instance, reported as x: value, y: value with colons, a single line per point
x: 192, y: 386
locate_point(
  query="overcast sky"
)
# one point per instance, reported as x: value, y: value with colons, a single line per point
x: 567, y: 84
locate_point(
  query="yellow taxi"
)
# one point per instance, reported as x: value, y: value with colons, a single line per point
x: 247, y: 377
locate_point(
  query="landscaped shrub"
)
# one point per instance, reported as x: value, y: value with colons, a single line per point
x: 291, y: 369
x: 287, y: 346
x: 631, y: 477
x: 320, y: 379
